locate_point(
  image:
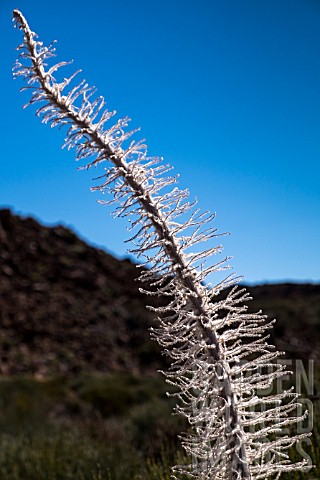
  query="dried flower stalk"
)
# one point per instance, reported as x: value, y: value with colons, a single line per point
x: 220, y: 356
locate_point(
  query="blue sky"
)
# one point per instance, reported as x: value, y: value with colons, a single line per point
x: 227, y: 91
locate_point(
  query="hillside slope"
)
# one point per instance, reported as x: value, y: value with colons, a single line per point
x: 66, y: 306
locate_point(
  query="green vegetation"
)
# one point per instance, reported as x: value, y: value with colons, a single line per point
x: 61, y: 455
x: 93, y: 427
x: 97, y: 427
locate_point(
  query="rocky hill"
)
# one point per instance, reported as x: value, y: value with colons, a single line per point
x: 66, y: 306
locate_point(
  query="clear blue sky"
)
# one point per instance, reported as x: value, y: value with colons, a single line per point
x: 227, y: 91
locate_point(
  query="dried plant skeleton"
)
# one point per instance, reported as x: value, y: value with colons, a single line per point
x: 220, y: 356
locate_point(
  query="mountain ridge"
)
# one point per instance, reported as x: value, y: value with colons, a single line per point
x: 66, y: 306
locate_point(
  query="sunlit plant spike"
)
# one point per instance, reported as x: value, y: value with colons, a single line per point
x: 219, y: 351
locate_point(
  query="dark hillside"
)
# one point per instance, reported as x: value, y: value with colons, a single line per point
x: 66, y: 307
x: 297, y: 309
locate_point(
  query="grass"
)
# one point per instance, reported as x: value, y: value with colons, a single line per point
x: 68, y: 455
x: 97, y: 427
x: 94, y: 427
